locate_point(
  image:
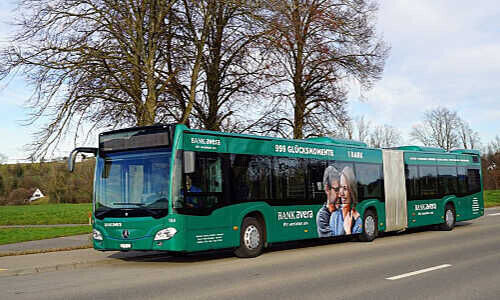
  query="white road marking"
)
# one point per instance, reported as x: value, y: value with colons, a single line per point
x: 419, y: 272
x: 496, y: 214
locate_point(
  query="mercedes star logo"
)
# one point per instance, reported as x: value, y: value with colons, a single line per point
x: 125, y: 234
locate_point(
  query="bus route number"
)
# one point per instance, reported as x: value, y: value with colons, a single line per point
x: 280, y: 148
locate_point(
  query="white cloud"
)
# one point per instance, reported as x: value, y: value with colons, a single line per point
x: 444, y: 53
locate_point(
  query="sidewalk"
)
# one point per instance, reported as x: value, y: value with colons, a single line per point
x: 73, y: 241
x: 64, y: 260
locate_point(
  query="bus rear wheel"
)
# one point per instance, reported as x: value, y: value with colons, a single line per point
x: 370, y: 228
x: 449, y: 218
x: 251, y: 238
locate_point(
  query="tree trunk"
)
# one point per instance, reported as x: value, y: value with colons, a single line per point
x: 299, y: 109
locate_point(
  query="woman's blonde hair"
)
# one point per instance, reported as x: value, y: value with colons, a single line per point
x: 352, y: 185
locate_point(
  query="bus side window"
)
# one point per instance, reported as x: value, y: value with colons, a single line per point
x: 447, y: 180
x: 412, y: 186
x: 369, y: 181
x: 251, y: 177
x: 462, y: 181
x: 473, y: 181
x: 239, y: 177
x: 316, y: 169
x: 428, y: 182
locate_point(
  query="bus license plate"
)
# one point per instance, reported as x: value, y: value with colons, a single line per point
x: 125, y: 246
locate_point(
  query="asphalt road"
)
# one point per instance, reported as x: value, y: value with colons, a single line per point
x: 420, y: 264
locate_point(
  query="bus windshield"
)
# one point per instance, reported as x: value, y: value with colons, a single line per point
x: 133, y: 180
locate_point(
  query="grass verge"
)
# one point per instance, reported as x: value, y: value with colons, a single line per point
x: 45, y: 214
x: 491, y: 198
x: 17, y: 235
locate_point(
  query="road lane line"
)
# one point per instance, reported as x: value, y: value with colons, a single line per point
x: 496, y: 214
x: 4, y: 269
x: 419, y: 272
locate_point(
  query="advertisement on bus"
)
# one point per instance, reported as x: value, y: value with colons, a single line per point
x: 338, y: 215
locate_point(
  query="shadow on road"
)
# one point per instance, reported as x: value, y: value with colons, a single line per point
x: 275, y: 247
x: 220, y: 253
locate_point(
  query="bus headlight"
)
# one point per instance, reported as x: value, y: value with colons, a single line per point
x: 96, y: 235
x: 165, y: 234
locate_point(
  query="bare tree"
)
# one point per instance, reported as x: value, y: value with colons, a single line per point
x: 357, y: 129
x: 491, y: 154
x: 230, y: 69
x: 491, y: 164
x: 439, y: 129
x: 316, y: 45
x: 345, y: 129
x: 385, y: 136
x: 100, y: 61
x: 198, y: 17
x: 494, y: 146
x: 469, y: 138
x: 363, y: 129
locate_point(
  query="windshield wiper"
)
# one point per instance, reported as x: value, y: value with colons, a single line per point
x: 140, y: 206
x: 101, y: 212
x: 162, y: 200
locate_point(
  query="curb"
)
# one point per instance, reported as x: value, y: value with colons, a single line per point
x: 78, y: 264
x: 60, y: 267
x: 39, y: 251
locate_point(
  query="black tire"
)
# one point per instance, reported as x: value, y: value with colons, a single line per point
x: 370, y: 226
x: 450, y: 218
x: 251, y: 238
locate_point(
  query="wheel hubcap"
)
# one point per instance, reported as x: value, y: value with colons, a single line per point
x: 369, y: 226
x: 251, y: 237
x: 449, y: 217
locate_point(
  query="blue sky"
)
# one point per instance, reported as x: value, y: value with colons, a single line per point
x: 444, y: 53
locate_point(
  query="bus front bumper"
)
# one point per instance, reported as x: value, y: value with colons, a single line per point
x: 142, y: 244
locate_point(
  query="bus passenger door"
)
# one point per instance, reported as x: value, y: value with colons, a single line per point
x: 208, y: 220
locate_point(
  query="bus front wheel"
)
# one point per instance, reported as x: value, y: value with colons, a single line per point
x: 251, y: 238
x: 449, y: 218
x: 370, y: 228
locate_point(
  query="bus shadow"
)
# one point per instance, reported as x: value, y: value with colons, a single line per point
x: 283, y: 246
x: 172, y: 257
x: 428, y: 228
x: 212, y: 255
x: 135, y: 256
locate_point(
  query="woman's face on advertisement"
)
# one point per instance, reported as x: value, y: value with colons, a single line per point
x: 345, y: 195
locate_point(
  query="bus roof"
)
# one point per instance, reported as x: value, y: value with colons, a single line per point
x: 420, y: 149
x: 329, y: 140
x: 437, y: 150
x: 466, y: 151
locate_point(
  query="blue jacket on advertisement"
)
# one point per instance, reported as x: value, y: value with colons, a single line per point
x: 337, y: 224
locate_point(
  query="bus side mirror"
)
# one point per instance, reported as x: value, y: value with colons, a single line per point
x: 189, y: 162
x: 74, y: 153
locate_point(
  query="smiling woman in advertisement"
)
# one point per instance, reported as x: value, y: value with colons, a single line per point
x: 346, y: 220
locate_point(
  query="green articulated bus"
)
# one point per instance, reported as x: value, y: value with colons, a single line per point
x: 171, y: 188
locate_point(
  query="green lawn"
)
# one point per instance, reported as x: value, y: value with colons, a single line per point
x: 492, y: 198
x: 45, y: 214
x: 17, y: 235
